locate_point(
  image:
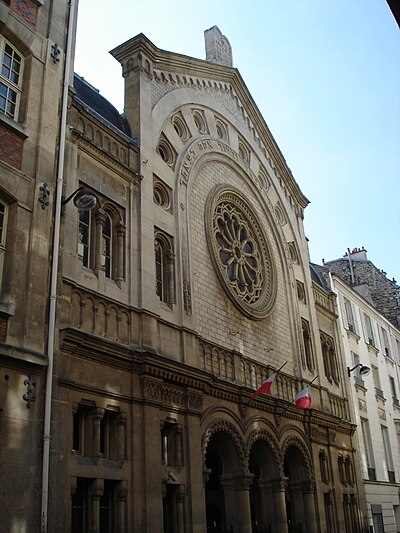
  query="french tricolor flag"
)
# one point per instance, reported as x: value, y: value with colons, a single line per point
x: 303, y: 399
x: 265, y: 387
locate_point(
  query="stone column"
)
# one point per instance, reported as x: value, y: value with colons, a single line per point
x: 153, y: 470
x: 94, y: 514
x: 180, y: 509
x: 74, y: 484
x: 267, y: 503
x: 243, y: 485
x: 278, y: 493
x: 119, y: 274
x: 170, y: 256
x: 309, y: 506
x: 122, y: 495
x: 178, y: 444
x: 121, y: 430
x: 196, y: 504
x: 100, y: 219
x: 228, y: 484
x: 299, y: 515
x: 97, y: 417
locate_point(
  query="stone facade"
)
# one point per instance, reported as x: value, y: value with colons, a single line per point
x: 32, y: 59
x: 375, y: 402
x: 178, y: 295
x: 370, y: 282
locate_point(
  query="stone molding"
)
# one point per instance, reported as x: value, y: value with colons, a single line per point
x: 295, y: 441
x: 110, y: 161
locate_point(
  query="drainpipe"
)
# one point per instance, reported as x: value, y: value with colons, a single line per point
x: 54, y: 270
x: 351, y: 267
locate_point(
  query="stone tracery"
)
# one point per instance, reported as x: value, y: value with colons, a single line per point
x: 240, y: 252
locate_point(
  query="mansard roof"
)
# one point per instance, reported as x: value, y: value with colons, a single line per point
x: 320, y: 276
x: 101, y: 107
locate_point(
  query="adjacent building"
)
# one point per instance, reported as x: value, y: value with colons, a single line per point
x: 32, y: 69
x: 371, y: 339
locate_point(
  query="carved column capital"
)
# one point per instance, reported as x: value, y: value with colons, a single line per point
x: 280, y: 485
x: 206, y: 475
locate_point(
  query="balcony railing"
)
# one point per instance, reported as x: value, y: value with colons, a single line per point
x: 392, y: 477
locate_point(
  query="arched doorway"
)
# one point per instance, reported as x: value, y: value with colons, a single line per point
x: 227, y: 485
x: 268, y: 512
x: 300, y: 502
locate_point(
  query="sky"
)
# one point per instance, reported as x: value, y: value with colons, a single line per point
x: 325, y: 75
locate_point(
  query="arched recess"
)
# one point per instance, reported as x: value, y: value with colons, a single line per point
x: 300, y: 486
x: 226, y: 479
x: 266, y: 466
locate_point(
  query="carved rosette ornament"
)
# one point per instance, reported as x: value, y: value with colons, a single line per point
x: 240, y: 252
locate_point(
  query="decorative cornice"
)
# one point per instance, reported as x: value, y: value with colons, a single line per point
x: 100, y: 155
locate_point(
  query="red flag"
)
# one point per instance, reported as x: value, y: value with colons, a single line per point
x: 303, y: 399
x: 265, y: 387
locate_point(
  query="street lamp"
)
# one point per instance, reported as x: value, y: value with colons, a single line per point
x: 84, y: 199
x: 364, y: 370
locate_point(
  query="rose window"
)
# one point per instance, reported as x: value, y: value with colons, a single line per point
x: 240, y: 252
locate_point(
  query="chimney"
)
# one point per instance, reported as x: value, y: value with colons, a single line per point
x: 358, y: 253
x: 218, y: 49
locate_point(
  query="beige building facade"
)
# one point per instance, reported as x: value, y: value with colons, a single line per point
x: 32, y: 55
x: 176, y: 297
x: 372, y: 340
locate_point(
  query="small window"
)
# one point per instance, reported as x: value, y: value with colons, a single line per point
x: 164, y: 268
x: 10, y: 79
x: 385, y: 342
x: 166, y: 152
x: 161, y: 194
x: 171, y: 445
x: 222, y: 130
x: 200, y: 121
x: 349, y: 316
x: 244, y: 153
x: 307, y: 344
x: 180, y: 127
x: 393, y: 391
x: 324, y: 467
x: 109, y: 435
x: 329, y: 358
x: 370, y: 334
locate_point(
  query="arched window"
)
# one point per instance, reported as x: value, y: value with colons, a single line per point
x: 307, y: 344
x: 101, y: 240
x: 164, y: 268
x: 10, y: 79
x: 329, y: 358
x: 160, y: 278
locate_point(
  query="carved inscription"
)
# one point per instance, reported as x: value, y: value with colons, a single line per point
x: 206, y: 145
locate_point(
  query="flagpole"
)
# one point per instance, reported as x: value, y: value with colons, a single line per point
x: 273, y: 374
x: 294, y: 399
x: 279, y: 369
